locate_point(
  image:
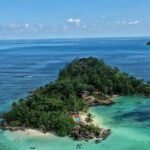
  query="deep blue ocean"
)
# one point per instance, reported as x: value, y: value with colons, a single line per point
x: 26, y: 64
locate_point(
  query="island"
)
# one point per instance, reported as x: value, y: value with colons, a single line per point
x: 59, y: 105
x: 148, y: 43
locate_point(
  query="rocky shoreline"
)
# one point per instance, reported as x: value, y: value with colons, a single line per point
x: 81, y: 132
x: 107, y: 102
x: 92, y: 101
x: 4, y: 126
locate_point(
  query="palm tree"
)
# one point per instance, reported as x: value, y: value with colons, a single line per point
x: 89, y: 118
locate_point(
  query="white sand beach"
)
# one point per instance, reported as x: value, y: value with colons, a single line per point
x: 96, y: 120
x: 37, y: 133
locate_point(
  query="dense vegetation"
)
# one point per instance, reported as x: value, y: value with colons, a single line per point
x: 50, y: 107
x: 92, y: 75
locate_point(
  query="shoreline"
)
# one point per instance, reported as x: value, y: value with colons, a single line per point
x: 117, y: 137
x: 37, y: 133
x: 96, y: 122
x: 28, y: 131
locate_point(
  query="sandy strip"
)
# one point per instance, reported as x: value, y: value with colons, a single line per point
x: 34, y: 132
x: 96, y: 120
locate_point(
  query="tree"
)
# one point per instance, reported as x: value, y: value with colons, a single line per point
x: 89, y: 118
x: 64, y: 126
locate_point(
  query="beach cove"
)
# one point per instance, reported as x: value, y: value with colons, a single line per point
x: 127, y: 132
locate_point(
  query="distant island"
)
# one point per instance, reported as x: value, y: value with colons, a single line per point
x: 148, y: 43
x: 59, y: 105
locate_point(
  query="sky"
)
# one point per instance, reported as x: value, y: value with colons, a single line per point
x: 29, y: 19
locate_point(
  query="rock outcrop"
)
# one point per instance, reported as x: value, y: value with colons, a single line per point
x: 92, y: 101
x: 81, y: 132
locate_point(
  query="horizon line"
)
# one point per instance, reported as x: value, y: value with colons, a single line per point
x: 54, y: 38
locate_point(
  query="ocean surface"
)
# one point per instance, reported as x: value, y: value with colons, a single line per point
x: 27, y: 64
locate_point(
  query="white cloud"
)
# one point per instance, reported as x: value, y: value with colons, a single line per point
x: 23, y: 27
x: 13, y: 25
x: 27, y: 25
x: 74, y: 21
x: 121, y: 22
x: 40, y: 25
x: 134, y: 22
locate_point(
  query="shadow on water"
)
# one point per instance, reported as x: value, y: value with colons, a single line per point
x: 139, y: 114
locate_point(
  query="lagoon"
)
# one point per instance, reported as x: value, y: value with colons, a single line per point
x: 124, y: 118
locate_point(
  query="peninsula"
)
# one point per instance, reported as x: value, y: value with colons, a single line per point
x: 58, y: 105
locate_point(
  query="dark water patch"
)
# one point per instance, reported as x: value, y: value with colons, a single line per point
x: 140, y: 114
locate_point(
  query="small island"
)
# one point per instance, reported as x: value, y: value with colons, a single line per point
x: 148, y: 43
x: 59, y: 105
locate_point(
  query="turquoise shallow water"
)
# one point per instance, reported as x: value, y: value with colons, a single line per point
x: 129, y: 120
x: 27, y: 64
